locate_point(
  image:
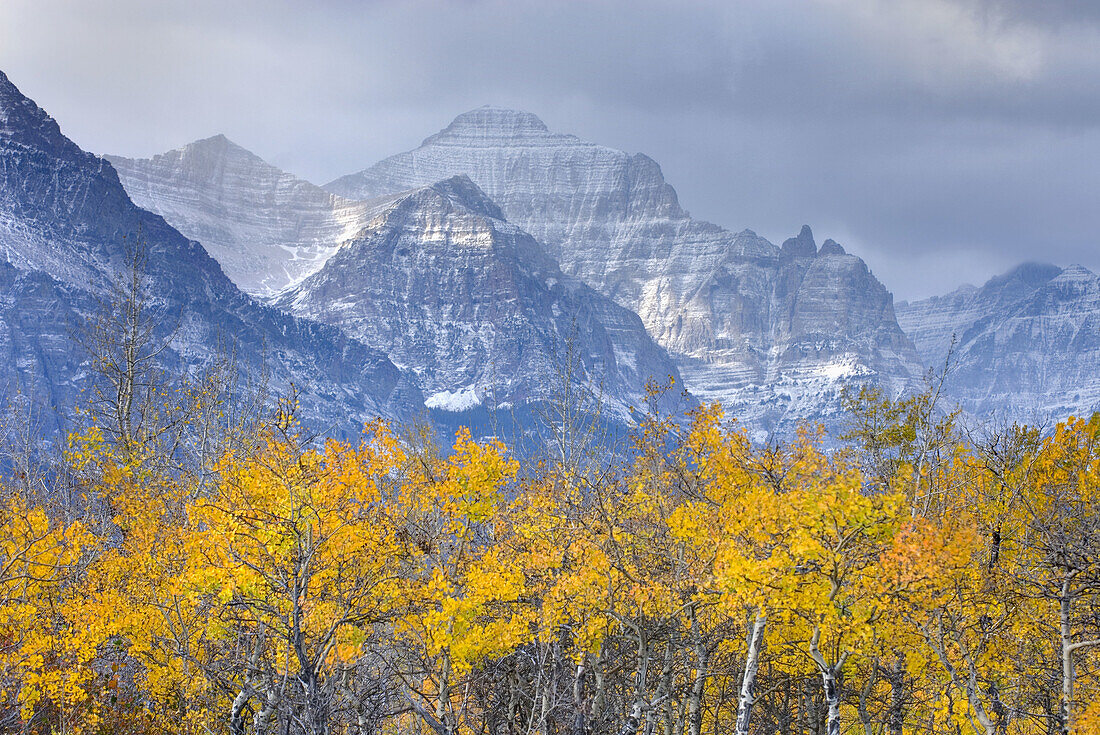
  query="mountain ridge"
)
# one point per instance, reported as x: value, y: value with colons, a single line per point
x: 1026, y: 343
x: 267, y: 228
x: 67, y: 227
x: 736, y: 312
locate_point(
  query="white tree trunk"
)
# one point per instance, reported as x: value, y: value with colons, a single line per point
x: 830, y: 672
x: 832, y: 701
x: 236, y: 712
x: 1065, y: 613
x: 748, y: 681
x: 630, y: 727
x: 695, y: 700
x: 580, y: 722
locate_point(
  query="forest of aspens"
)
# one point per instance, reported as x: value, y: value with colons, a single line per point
x: 180, y: 570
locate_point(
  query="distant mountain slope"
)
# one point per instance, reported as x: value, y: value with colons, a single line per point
x: 267, y: 228
x: 65, y: 226
x: 475, y: 307
x: 771, y: 332
x: 1027, y: 342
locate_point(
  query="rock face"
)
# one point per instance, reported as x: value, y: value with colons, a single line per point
x: 475, y: 307
x: 1027, y: 342
x: 771, y: 332
x: 66, y: 225
x: 267, y: 228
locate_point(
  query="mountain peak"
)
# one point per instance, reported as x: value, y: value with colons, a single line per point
x: 802, y: 246
x: 217, y: 146
x: 1029, y: 275
x: 1075, y: 272
x: 214, y: 141
x: 6, y: 86
x: 461, y: 190
x: 204, y: 157
x: 492, y: 123
x: 25, y: 123
x: 9, y: 93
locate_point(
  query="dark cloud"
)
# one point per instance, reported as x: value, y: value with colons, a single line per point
x: 943, y: 140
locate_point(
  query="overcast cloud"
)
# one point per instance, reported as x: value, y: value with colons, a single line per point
x: 942, y: 140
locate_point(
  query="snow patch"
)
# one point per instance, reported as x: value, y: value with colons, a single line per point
x: 455, y: 401
x: 838, y: 369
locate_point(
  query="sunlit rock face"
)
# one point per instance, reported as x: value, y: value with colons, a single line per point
x: 268, y: 229
x: 771, y: 332
x: 1026, y: 344
x: 68, y: 230
x: 476, y: 308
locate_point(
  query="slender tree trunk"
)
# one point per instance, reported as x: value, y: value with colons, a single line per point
x: 864, y: 695
x: 970, y: 685
x: 830, y: 674
x: 316, y: 715
x: 895, y: 720
x: 681, y: 717
x: 832, y: 701
x: 641, y: 675
x: 261, y: 721
x: 443, y: 700
x: 634, y: 719
x: 544, y: 701
x: 600, y: 689
x: 1065, y: 613
x: 236, y: 712
x: 664, y: 690
x: 698, y: 684
x: 748, y: 681
x: 580, y: 722
x: 974, y: 696
x: 426, y: 715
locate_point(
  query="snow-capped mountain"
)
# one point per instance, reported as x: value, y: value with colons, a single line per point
x: 66, y: 227
x: 771, y: 332
x: 1027, y: 343
x: 268, y: 229
x: 475, y: 307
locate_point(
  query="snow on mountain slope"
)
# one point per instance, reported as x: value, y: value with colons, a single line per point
x: 475, y: 307
x: 1027, y: 342
x: 267, y: 228
x: 760, y: 328
x: 66, y: 226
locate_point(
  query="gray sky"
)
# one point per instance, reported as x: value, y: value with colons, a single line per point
x: 942, y: 140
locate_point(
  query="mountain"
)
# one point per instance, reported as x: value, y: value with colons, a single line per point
x: 1027, y: 343
x: 267, y: 228
x: 475, y: 307
x: 67, y: 229
x: 772, y: 332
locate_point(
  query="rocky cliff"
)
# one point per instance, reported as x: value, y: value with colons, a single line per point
x: 772, y: 332
x: 1027, y: 343
x: 476, y: 309
x: 267, y: 228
